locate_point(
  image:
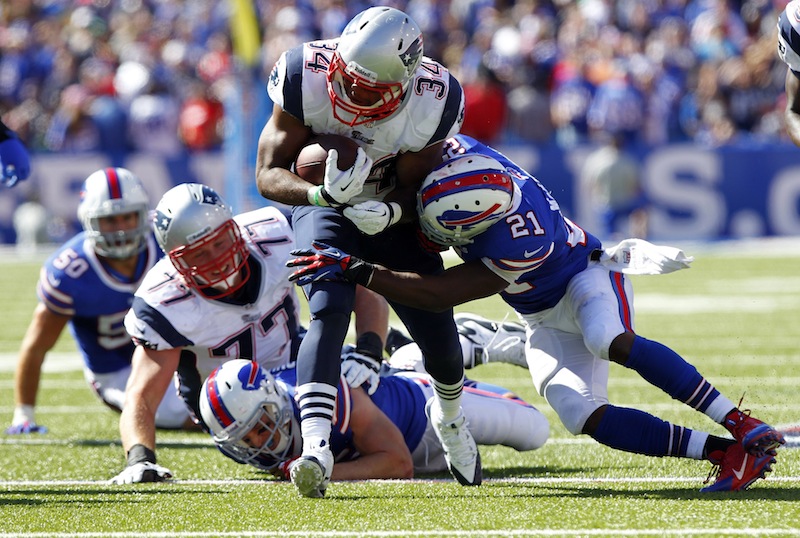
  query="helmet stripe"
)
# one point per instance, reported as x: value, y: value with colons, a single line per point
x: 471, y: 219
x: 470, y: 180
x: 114, y: 186
x: 221, y: 413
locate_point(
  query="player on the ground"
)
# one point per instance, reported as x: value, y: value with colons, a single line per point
x: 789, y: 52
x: 253, y: 417
x: 373, y: 85
x: 15, y: 163
x: 88, y: 284
x: 576, y: 302
x: 220, y: 293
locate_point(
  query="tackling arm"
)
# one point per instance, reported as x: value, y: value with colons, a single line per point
x: 792, y: 112
x: 383, y: 450
x: 457, y: 285
x: 437, y: 293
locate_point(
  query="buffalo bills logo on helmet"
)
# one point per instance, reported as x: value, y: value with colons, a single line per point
x: 251, y: 376
x: 464, y: 219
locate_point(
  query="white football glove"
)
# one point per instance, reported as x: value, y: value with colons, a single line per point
x: 144, y: 471
x: 359, y: 369
x: 373, y: 217
x: 340, y: 186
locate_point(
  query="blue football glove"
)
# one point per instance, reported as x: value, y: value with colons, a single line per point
x: 15, y: 164
x: 330, y: 264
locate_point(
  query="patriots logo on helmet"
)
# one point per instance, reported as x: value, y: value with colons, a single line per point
x: 411, y: 55
x: 210, y: 196
x: 162, y: 221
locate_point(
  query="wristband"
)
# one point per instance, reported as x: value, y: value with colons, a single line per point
x: 395, y: 213
x: 314, y: 198
x: 371, y: 345
x: 140, y: 453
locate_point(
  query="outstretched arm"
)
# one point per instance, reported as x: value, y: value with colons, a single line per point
x: 43, y: 332
x: 457, y: 285
x: 151, y: 374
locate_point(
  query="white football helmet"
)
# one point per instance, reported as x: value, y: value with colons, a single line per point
x: 110, y: 192
x: 240, y: 396
x: 463, y: 197
x: 195, y: 228
x: 377, y: 55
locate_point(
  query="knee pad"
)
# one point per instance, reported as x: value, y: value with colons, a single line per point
x: 573, y: 408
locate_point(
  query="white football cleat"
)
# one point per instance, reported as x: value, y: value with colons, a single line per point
x: 311, y: 472
x: 460, y: 450
x: 484, y: 341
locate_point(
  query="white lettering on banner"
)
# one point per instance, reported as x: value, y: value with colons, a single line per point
x: 700, y: 203
x: 57, y: 178
x: 783, y: 200
x: 686, y: 186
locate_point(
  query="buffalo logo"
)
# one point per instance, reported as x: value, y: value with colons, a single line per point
x: 465, y: 219
x: 251, y: 376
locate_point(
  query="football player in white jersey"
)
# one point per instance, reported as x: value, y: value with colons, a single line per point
x: 576, y: 303
x: 373, y: 85
x: 789, y: 52
x: 88, y: 284
x: 220, y: 293
x: 253, y: 418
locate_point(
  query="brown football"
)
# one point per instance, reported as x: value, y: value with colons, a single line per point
x: 310, y: 162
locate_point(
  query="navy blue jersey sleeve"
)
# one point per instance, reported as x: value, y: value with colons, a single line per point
x: 292, y: 90
x: 453, y: 112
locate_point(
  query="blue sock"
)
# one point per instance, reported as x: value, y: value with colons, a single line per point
x: 632, y: 430
x: 665, y: 369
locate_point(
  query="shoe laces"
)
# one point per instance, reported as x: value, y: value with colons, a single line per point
x: 459, y: 445
x: 507, y: 342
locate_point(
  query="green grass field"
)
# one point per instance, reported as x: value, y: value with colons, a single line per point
x: 734, y: 317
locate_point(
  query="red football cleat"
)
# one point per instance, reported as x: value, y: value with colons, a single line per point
x: 738, y: 469
x: 757, y: 437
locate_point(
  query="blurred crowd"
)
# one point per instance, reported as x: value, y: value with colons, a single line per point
x: 152, y: 75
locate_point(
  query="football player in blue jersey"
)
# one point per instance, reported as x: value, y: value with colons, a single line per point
x: 373, y: 85
x: 575, y: 300
x: 254, y: 418
x: 789, y: 52
x: 88, y: 284
x: 15, y: 163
